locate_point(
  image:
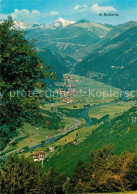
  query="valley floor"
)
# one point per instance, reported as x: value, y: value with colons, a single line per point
x: 77, y: 116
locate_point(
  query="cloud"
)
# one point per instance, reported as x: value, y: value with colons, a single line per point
x: 81, y: 8
x: 27, y: 16
x: 99, y: 9
x: 94, y: 8
x: 77, y: 7
x: 23, y: 14
x: 54, y: 13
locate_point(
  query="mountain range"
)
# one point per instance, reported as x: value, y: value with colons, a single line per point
x: 67, y: 38
x: 115, y: 57
x: 88, y: 47
x: 60, y: 23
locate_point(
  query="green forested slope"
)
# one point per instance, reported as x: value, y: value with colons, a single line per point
x: 119, y: 131
x: 116, y: 59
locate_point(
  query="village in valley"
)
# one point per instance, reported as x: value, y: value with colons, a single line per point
x: 68, y: 89
x: 41, y: 155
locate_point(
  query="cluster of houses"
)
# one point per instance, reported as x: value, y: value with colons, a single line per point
x: 66, y: 93
x: 68, y: 100
x: 41, y: 155
x: 63, y: 93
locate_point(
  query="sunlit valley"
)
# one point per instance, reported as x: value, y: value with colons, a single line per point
x: 92, y: 102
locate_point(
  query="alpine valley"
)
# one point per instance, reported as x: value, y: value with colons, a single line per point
x: 85, y: 47
x: 92, y: 105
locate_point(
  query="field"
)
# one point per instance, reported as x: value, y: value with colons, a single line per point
x: 112, y: 110
x: 66, y: 116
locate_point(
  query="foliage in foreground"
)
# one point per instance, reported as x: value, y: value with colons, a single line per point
x: 22, y: 175
x: 105, y: 172
x: 21, y: 72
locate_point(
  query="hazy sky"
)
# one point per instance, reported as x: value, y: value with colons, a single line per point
x: 47, y: 11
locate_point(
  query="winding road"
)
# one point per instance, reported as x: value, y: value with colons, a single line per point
x: 67, y: 130
x: 52, y: 139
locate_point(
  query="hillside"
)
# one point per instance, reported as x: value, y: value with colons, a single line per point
x: 74, y: 40
x: 119, y: 130
x: 55, y: 61
x: 117, y: 30
x: 116, y: 59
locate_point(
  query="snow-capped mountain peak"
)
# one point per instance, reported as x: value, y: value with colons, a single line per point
x: 60, y: 22
x: 22, y: 25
